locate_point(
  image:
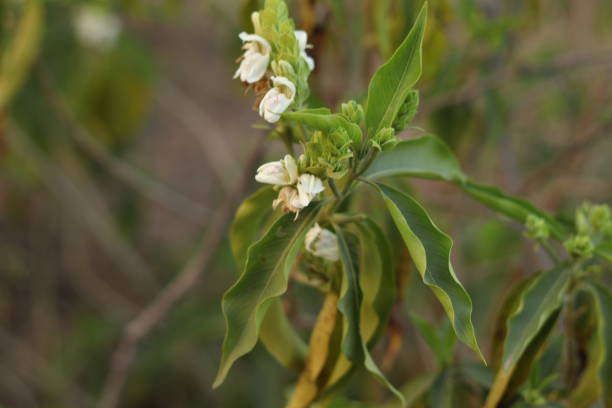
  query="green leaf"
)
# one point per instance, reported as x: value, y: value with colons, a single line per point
x: 376, y: 279
x: 248, y: 222
x: 430, y: 251
x: 280, y: 338
x: 602, y: 356
x: 441, y: 340
x: 513, y: 207
x: 393, y: 81
x: 426, y: 157
x: 321, y: 119
x: 264, y: 279
x: 17, y: 58
x: 276, y: 332
x: 442, y: 390
x: 353, y: 345
x: 535, y: 311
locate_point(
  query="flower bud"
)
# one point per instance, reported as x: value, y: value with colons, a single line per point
x: 537, y: 228
x: 580, y: 246
x: 407, y: 111
x: 385, y: 139
x: 322, y: 243
x: 353, y: 112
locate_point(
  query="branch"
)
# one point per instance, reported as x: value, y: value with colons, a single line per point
x: 142, y: 325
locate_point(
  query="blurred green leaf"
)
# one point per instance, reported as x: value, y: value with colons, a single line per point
x: 265, y: 276
x: 604, y: 250
x: 513, y: 207
x: 376, y: 279
x: 430, y: 251
x: 18, y: 56
x: 440, y: 339
x: 353, y: 345
x: 534, y: 308
x: 425, y: 156
x: 597, y: 377
x: 393, y: 81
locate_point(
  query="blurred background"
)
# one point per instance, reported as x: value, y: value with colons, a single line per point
x: 125, y: 147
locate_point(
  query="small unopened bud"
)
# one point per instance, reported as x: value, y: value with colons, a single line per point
x: 600, y: 218
x: 537, y: 228
x: 385, y: 139
x: 322, y: 243
x: 580, y: 246
x: 353, y: 112
x: 407, y: 111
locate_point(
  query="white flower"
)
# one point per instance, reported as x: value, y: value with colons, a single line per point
x: 322, y: 243
x: 289, y: 198
x: 302, y: 38
x: 255, y: 59
x: 308, y: 187
x: 96, y: 28
x: 277, y: 99
x: 281, y: 172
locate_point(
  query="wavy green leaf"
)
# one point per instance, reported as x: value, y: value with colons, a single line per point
x: 430, y: 251
x: 425, y: 157
x: 393, y: 81
x: 536, y: 308
x: 264, y: 279
x: 353, y: 345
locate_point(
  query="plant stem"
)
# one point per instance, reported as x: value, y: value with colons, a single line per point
x: 306, y: 389
x: 334, y: 188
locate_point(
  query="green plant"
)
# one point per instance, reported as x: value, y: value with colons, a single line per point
x: 322, y: 237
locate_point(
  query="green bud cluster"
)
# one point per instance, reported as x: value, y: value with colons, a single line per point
x: 580, y: 246
x: 595, y: 220
x: 384, y: 139
x: 407, y: 111
x: 327, y: 154
x: 537, y: 228
x: 353, y: 112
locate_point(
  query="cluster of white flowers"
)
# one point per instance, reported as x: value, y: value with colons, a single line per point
x: 297, y: 191
x: 254, y: 65
x: 323, y: 243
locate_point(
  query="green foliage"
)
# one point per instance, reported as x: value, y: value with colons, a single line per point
x: 17, y: 57
x: 392, y: 83
x: 430, y: 251
x: 530, y: 313
x: 425, y: 156
x: 264, y: 278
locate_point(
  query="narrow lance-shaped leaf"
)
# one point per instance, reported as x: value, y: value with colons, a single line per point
x: 430, y: 251
x: 513, y: 207
x: 353, y: 345
x: 276, y: 332
x: 528, y: 327
x: 264, y: 279
x: 393, y: 81
x: 426, y: 157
